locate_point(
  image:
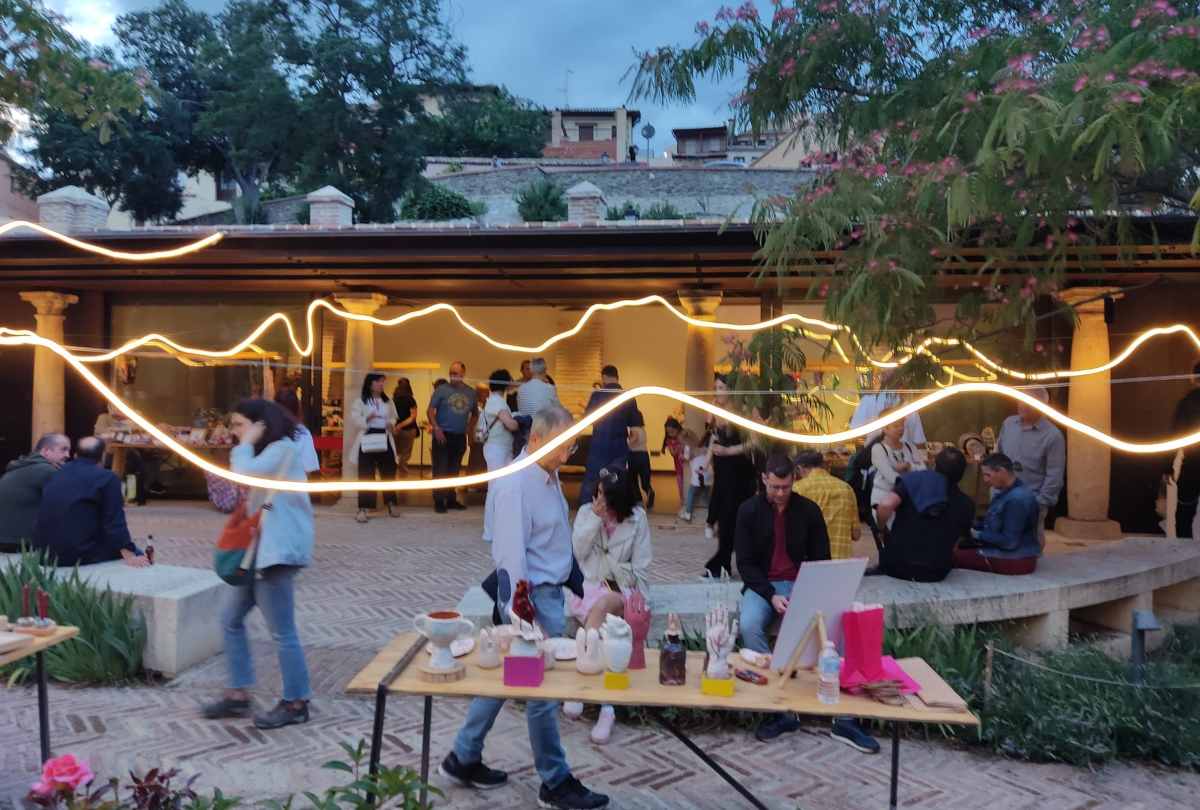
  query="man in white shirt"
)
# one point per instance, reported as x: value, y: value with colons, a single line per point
x: 536, y: 393
x: 531, y: 542
x: 872, y: 405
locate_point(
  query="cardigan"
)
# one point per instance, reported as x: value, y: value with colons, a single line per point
x: 628, y: 549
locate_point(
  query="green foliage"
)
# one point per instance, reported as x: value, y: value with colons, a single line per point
x: 111, y: 636
x: 974, y: 130
x: 480, y: 123
x: 542, y: 201
x: 773, y: 361
x: 435, y: 202
x: 623, y: 211
x: 662, y: 210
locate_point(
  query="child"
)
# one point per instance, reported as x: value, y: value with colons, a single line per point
x: 700, y: 463
x: 673, y: 444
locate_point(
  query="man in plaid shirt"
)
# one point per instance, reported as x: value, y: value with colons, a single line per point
x: 836, y: 499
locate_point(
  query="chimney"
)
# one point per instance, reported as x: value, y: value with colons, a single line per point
x: 556, y: 126
x: 585, y: 203
x: 71, y: 209
x: 330, y: 208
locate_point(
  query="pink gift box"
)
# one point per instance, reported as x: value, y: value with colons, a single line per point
x: 524, y: 670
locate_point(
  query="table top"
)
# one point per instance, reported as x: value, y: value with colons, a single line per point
x: 39, y: 643
x: 564, y: 682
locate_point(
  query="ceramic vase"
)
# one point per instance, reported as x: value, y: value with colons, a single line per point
x: 618, y: 643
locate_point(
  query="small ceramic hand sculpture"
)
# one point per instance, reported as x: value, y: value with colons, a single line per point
x: 589, y: 654
x: 720, y: 636
x: 527, y: 638
x: 638, y: 616
x: 489, y: 649
x: 618, y: 643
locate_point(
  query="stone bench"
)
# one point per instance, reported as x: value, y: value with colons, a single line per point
x: 181, y: 607
x: 1099, y: 586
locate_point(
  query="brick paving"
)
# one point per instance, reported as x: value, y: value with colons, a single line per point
x: 367, y: 584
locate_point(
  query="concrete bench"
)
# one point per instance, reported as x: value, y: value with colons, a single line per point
x: 1098, y: 587
x: 181, y: 608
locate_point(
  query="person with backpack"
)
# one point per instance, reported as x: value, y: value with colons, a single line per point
x: 494, y: 431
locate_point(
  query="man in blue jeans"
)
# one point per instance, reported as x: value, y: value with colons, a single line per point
x: 531, y: 541
x: 778, y: 531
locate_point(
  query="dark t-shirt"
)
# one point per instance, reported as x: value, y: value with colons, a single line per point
x: 921, y: 547
x: 404, y: 406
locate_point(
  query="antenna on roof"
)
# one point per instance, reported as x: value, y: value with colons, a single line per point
x: 566, y: 88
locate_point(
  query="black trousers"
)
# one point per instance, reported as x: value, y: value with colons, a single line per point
x: 383, y: 463
x: 447, y: 461
x: 723, y: 559
x: 639, y: 470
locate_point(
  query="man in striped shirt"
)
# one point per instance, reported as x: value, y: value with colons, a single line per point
x: 836, y: 499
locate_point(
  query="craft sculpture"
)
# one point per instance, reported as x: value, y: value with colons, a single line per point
x: 488, y: 656
x: 618, y: 643
x: 637, y: 614
x: 589, y: 654
x: 720, y: 635
x: 672, y: 657
x: 529, y: 636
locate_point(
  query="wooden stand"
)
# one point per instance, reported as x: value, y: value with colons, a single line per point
x: 816, y: 627
x: 443, y: 675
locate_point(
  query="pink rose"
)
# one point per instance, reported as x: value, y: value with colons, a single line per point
x: 63, y: 773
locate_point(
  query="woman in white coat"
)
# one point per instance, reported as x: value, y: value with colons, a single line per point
x: 373, y: 416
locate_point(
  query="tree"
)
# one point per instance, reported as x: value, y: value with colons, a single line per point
x: 433, y: 202
x: 42, y: 64
x: 476, y: 123
x: 363, y: 66
x: 985, y: 127
x: 542, y: 201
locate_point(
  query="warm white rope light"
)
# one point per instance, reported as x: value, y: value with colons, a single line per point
x: 150, y: 256
x: 579, y: 427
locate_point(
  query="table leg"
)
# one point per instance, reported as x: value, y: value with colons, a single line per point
x: 381, y: 695
x: 119, y: 463
x: 425, y: 733
x: 43, y: 706
x: 895, y: 762
x: 710, y: 762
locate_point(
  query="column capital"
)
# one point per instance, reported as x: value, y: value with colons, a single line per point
x: 361, y: 303
x: 1081, y: 298
x: 700, y: 302
x: 49, y: 303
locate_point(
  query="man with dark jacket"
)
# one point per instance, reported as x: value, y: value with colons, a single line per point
x: 21, y: 489
x: 609, y: 445
x: 81, y: 519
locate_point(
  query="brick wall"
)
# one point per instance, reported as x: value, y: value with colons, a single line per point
x: 577, y: 363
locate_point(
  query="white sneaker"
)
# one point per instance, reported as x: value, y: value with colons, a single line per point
x: 708, y: 531
x: 685, y: 516
x: 604, y: 726
x: 573, y: 710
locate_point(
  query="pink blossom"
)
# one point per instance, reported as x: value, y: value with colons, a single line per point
x: 786, y: 15
x: 934, y: 252
x: 979, y: 33
x: 702, y: 28
x: 1039, y: 348
x: 747, y: 11
x: 1080, y: 83
x: 788, y: 69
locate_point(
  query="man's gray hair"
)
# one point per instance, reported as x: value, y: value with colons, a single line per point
x: 1039, y: 392
x: 550, y: 420
x: 538, y: 365
x: 49, y: 440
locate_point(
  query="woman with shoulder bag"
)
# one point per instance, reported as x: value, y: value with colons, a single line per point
x: 374, y: 416
x: 267, y: 448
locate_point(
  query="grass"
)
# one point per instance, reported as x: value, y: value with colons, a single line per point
x: 108, y: 649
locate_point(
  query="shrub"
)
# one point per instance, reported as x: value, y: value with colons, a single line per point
x: 111, y: 636
x: 435, y: 203
x: 542, y: 201
x: 662, y: 210
x: 623, y: 211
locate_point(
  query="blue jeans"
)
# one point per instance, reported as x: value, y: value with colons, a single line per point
x: 689, y: 500
x: 274, y: 594
x: 757, y: 615
x: 541, y: 715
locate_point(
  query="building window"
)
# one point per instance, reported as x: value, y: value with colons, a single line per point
x: 587, y: 132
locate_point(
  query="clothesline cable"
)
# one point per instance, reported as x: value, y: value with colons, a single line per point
x: 1092, y: 679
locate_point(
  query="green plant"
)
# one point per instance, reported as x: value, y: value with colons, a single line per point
x: 662, y: 210
x: 542, y: 201
x: 111, y: 636
x: 766, y: 376
x: 623, y: 211
x: 435, y: 203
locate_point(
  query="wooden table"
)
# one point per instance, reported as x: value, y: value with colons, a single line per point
x: 38, y: 647
x: 390, y: 672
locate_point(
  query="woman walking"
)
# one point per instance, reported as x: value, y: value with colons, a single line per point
x: 374, y: 415
x: 268, y: 448
x: 406, y: 430
x: 734, y: 480
x: 611, y: 539
x: 496, y: 427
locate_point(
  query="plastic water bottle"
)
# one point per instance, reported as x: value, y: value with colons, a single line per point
x: 829, y: 667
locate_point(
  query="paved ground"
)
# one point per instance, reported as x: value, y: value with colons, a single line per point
x: 368, y: 582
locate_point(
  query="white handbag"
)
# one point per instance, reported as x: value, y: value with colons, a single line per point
x: 374, y: 443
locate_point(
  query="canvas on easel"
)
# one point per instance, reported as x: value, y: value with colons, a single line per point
x: 822, y: 592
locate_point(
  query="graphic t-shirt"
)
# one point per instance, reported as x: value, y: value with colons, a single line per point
x: 453, y: 404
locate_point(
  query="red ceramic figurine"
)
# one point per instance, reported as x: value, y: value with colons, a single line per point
x: 637, y: 614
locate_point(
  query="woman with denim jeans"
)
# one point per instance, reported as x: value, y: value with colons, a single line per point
x: 267, y: 448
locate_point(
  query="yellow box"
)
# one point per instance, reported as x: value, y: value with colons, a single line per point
x: 616, y: 680
x: 716, y: 687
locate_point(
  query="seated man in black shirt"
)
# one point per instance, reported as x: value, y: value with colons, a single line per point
x: 931, y: 515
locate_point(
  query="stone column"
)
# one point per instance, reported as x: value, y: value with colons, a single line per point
x: 1090, y: 401
x: 360, y: 359
x: 49, y: 383
x: 585, y: 203
x: 700, y: 355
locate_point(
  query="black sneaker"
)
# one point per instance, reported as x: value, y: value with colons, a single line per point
x: 455, y: 505
x: 226, y: 708
x: 775, y: 726
x: 570, y: 795
x: 282, y: 715
x: 847, y: 730
x: 440, y: 508
x: 476, y: 775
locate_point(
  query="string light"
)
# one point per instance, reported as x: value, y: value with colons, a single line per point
x: 149, y: 256
x: 569, y: 435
